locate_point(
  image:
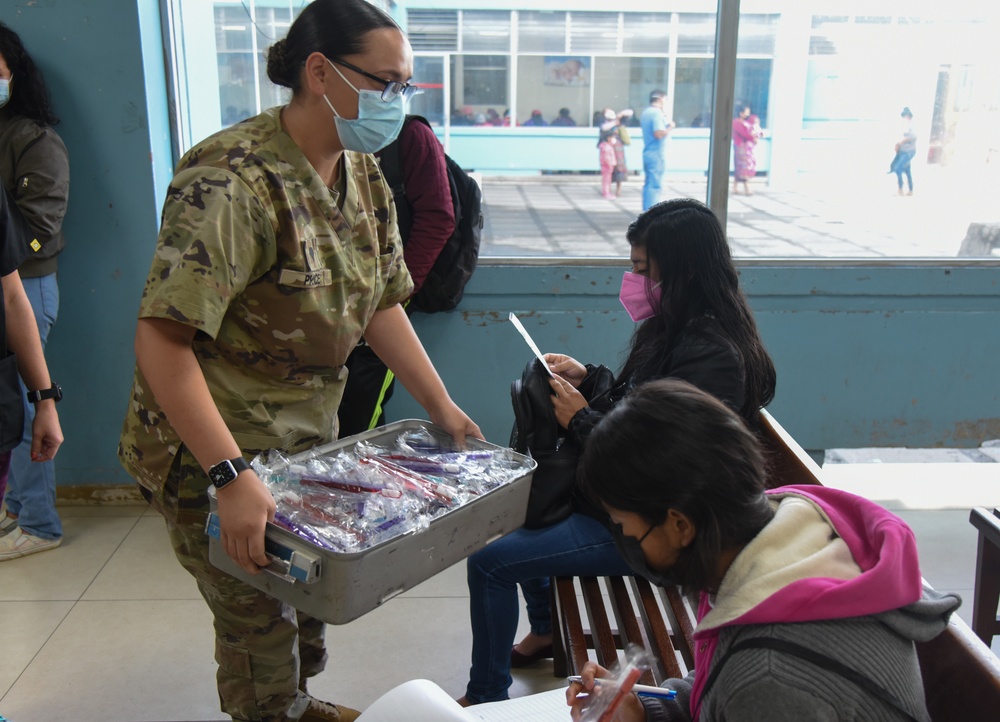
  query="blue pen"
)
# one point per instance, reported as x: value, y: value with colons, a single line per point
x: 643, y: 690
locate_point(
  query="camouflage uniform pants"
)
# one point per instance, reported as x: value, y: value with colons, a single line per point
x: 265, y: 648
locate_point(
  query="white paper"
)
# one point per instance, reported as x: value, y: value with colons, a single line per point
x: 542, y: 707
x: 531, y: 344
x: 421, y: 700
x: 418, y: 700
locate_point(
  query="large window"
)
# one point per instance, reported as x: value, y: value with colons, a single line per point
x: 826, y: 86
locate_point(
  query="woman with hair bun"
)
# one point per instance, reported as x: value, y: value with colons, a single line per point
x: 278, y: 250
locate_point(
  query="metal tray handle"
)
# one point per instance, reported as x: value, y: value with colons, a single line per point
x: 291, y: 565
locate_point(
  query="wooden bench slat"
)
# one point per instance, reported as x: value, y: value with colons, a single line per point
x: 681, y: 617
x: 604, y: 642
x: 625, y: 616
x: 570, y: 628
x: 661, y: 644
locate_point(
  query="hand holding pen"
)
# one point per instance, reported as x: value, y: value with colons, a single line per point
x: 580, y: 689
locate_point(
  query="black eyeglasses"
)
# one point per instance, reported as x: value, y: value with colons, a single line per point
x: 393, y: 88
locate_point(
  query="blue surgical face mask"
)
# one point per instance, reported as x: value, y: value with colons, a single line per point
x: 378, y: 122
x: 4, y: 91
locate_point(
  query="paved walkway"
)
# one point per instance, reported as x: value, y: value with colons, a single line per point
x: 565, y: 215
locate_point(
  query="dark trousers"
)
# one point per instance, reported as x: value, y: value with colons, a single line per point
x: 368, y: 389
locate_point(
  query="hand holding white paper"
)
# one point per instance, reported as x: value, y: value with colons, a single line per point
x: 531, y: 344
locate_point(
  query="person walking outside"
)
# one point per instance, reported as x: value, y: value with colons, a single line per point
x: 278, y: 249
x: 745, y: 136
x: 608, y: 160
x: 655, y: 128
x: 906, y: 148
x: 34, y: 167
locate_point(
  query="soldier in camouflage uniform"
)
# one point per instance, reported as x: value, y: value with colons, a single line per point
x: 278, y: 249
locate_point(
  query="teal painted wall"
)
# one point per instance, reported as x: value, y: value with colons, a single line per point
x: 103, y: 62
x: 865, y: 355
x: 513, y: 151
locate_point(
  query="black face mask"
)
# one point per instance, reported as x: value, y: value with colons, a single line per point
x: 630, y: 550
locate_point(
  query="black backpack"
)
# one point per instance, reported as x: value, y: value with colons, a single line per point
x: 445, y: 284
x: 537, y: 433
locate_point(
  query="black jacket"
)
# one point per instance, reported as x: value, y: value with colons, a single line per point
x: 702, y: 355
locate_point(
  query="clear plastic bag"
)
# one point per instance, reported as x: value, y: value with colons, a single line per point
x: 356, y: 497
x: 612, y: 690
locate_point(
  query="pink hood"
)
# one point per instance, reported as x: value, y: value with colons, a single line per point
x: 881, y: 545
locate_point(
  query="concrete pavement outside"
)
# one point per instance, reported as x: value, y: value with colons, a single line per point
x: 817, y: 217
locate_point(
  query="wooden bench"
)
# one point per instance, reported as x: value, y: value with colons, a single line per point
x: 986, y: 595
x: 961, y: 675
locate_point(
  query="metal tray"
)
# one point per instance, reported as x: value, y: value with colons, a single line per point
x: 339, y: 587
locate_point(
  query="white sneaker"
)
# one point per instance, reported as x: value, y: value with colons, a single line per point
x: 18, y: 544
x: 7, y: 522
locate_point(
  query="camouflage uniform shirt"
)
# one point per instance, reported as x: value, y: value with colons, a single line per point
x: 279, y: 281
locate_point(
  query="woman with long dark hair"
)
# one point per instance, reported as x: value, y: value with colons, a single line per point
x: 811, y: 598
x: 277, y: 251
x: 696, y: 326
x: 34, y: 166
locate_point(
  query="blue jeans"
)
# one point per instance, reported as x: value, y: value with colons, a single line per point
x: 31, y: 486
x: 579, y: 545
x: 901, y: 167
x: 652, y: 168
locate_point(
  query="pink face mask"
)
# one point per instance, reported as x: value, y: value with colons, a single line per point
x: 640, y: 296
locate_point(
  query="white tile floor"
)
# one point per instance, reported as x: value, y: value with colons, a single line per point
x: 109, y: 628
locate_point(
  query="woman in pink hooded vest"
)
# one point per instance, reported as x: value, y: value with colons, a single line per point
x: 811, y: 598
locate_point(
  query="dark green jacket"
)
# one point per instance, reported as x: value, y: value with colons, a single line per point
x: 34, y: 166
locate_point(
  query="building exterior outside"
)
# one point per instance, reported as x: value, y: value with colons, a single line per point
x: 822, y: 79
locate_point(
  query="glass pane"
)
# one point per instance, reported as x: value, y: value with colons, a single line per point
x: 428, y: 75
x: 623, y: 83
x: 233, y: 29
x: 593, y: 32
x: 828, y: 89
x: 646, y: 33
x: 550, y: 83
x: 541, y: 32
x: 485, y: 31
x: 479, y: 84
x: 757, y: 34
x: 693, y: 92
x: 272, y: 24
x: 827, y: 33
x: 234, y: 45
x: 753, y: 81
x: 237, y: 96
x: 432, y: 29
x: 696, y: 33
x: 870, y: 155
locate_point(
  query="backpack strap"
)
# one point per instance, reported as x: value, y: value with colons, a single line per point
x: 390, y: 160
x: 813, y: 657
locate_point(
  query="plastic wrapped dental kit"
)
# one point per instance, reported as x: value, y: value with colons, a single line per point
x: 353, y: 498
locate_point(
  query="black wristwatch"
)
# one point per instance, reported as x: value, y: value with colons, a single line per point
x: 227, y: 470
x: 54, y: 393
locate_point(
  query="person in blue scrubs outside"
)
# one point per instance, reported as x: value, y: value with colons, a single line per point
x: 655, y: 128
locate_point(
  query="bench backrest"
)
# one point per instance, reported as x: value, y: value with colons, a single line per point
x: 961, y: 675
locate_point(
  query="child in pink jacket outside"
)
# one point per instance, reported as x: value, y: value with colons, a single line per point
x: 608, y: 159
